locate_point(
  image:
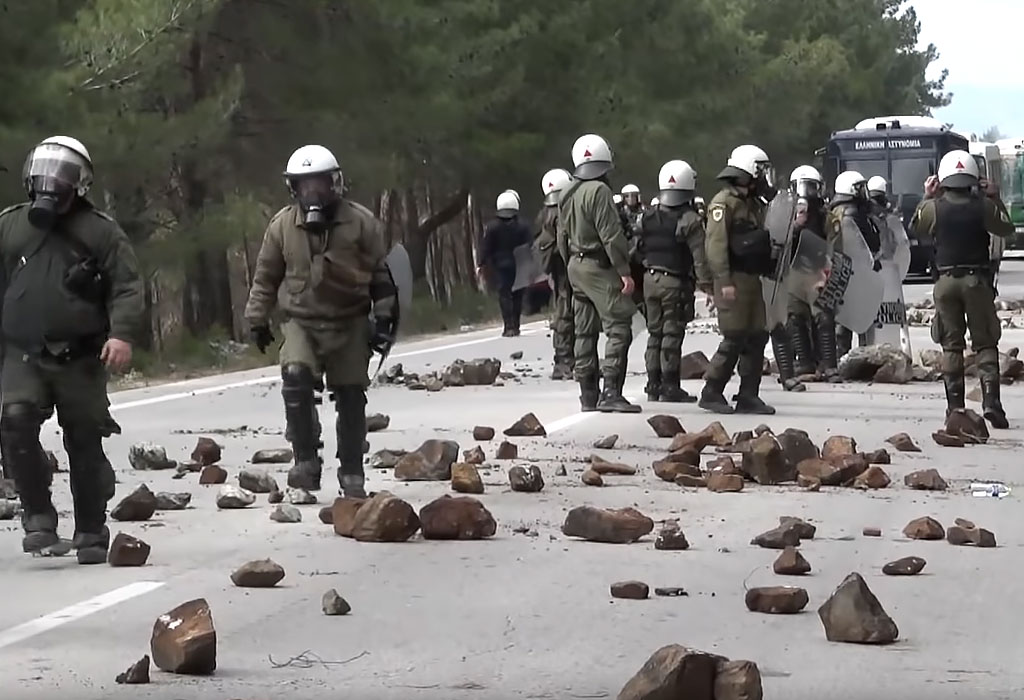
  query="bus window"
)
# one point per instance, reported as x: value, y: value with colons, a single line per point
x: 982, y: 166
x: 867, y: 168
x: 909, y: 174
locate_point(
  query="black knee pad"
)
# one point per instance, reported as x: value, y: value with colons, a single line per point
x: 297, y: 378
x: 19, y: 427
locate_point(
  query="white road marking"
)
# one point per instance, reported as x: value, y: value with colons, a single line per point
x: 74, y: 612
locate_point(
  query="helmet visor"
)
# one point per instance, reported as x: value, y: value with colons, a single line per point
x: 807, y: 188
x: 766, y: 171
x: 54, y: 163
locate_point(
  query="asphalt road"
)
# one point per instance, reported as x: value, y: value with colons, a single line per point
x: 528, y: 615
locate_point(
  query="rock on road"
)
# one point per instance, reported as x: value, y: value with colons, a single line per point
x: 527, y: 614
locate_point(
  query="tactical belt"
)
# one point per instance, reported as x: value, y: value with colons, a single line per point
x: 599, y: 256
x: 659, y: 271
x: 76, y: 349
x: 958, y: 271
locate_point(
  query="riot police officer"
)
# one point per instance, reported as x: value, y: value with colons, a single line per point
x: 671, y: 248
x: 878, y: 194
x: 72, y: 303
x: 546, y: 249
x: 501, y: 238
x: 739, y: 251
x: 591, y: 238
x: 959, y: 218
x: 323, y: 264
x: 701, y: 207
x: 632, y: 207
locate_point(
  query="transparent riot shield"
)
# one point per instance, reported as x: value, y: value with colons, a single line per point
x: 779, y: 223
x: 528, y: 269
x: 891, y: 327
x: 857, y: 306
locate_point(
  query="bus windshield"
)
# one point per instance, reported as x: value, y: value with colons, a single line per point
x: 909, y: 174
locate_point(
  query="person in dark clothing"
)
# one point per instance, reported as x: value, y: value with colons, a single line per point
x: 501, y: 238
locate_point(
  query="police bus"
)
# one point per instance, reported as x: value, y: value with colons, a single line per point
x: 904, y: 150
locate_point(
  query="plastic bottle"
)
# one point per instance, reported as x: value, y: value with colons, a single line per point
x: 986, y: 489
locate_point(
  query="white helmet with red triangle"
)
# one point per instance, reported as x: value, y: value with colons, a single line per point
x: 958, y: 170
x: 676, y: 182
x: 591, y: 157
x: 553, y: 182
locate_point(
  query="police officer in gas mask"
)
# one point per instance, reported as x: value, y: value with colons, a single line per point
x: 72, y: 306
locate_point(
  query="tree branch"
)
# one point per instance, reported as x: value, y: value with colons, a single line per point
x: 455, y: 205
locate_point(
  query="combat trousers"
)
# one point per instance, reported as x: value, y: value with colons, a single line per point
x: 967, y: 302
x: 341, y: 351
x: 32, y: 388
x: 562, y: 326
x: 510, y: 303
x: 669, y: 300
x: 598, y: 301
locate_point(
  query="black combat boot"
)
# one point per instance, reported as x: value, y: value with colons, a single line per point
x: 92, y: 546
x: 723, y: 363
x: 612, y: 400
x: 350, y: 427
x: 751, y: 369
x: 992, y: 406
x: 24, y: 458
x: 590, y: 393
x: 654, y: 384
x: 799, y: 331
x: 955, y: 394
x: 561, y: 371
x: 671, y: 392
x: 300, y: 407
x: 92, y: 486
x: 784, y: 360
x: 40, y: 532
x: 825, y: 332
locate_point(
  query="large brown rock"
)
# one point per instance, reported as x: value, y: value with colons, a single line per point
x: 343, y: 514
x: 671, y: 538
x: 126, y: 550
x: 665, y: 426
x: 879, y: 456
x: 907, y: 566
x: 139, y: 505
x: 591, y: 477
x: 925, y: 528
x: 384, y: 518
x: 837, y: 446
x: 791, y: 563
x: 483, y: 433
x: 785, y: 535
x: 804, y: 530
x: 506, y: 450
x: 527, y: 426
x: 213, y: 474
x: 466, y: 479
x: 776, y: 600
x: 966, y: 424
x: 719, y: 435
x: 713, y: 434
x: 687, y: 455
x: 459, y: 518
x: 614, y: 526
x: 853, y: 614
x: 474, y: 456
x: 431, y: 461
x: 603, y: 467
x: 693, y: 365
x: 874, y: 477
x: 137, y: 673
x: 903, y: 443
x: 797, y: 446
x: 944, y: 439
x: 479, y: 372
x: 765, y: 463
x: 738, y: 680
x: 668, y: 471
x: 261, y: 573
x: 724, y: 464
x: 925, y: 480
x: 689, y: 481
x: 721, y: 482
x: 630, y: 590
x: 526, y: 480
x: 966, y: 532
x: 821, y: 471
x: 674, y: 673
x: 206, y: 452
x: 184, y: 640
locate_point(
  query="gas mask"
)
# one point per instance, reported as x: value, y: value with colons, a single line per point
x: 50, y: 199
x: 317, y: 199
x: 764, y: 183
x: 53, y: 176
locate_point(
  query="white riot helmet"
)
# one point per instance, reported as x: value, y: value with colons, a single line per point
x: 631, y: 195
x: 958, y: 170
x: 676, y: 182
x: 591, y: 157
x: 315, y: 180
x: 507, y: 204
x: 553, y: 183
x: 617, y: 199
x: 751, y: 161
x: 514, y: 194
x: 877, y: 186
x: 806, y: 181
x: 55, y: 171
x: 655, y: 202
x: 851, y: 184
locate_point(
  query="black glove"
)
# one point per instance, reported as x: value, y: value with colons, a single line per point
x: 383, y: 337
x: 261, y: 337
x: 878, y: 265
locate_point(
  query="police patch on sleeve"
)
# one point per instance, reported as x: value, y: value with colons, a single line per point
x: 717, y: 214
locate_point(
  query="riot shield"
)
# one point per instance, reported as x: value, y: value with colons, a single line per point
x: 779, y: 223
x: 528, y: 269
x: 891, y: 325
x: 401, y: 274
x: 858, y: 305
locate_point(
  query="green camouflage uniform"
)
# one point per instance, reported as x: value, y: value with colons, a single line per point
x: 562, y: 329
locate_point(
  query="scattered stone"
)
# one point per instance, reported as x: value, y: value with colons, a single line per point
x: 871, y: 532
x: 688, y: 481
x: 797, y: 446
x: 737, y: 680
x: 184, y: 640
x: 275, y: 497
x: 172, y: 501
x: 670, y: 591
x: 431, y: 461
x: 326, y: 515
x: 560, y: 470
x: 507, y: 450
x: 791, y: 563
x: 432, y: 383
x: 517, y: 355
x: 526, y: 479
x: 300, y: 497
x: 607, y: 442
x: 966, y: 424
x: 126, y: 550
x: 665, y: 426
x: 591, y: 478
x: 966, y: 532
x: 693, y: 365
x: 483, y: 433
x: 838, y: 446
x: 613, y: 526
x: 286, y: 513
x: 139, y: 505
x: 778, y: 538
x: 740, y: 438
x: 148, y: 456
x: 879, y: 456
x: 206, y: 452
x: 720, y: 482
x: 872, y: 478
x: 925, y: 528
x: 804, y: 530
x: 903, y: 442
x: 277, y: 455
x: 386, y: 459
x: 466, y: 478
x: 878, y: 363
x: 458, y: 518
x: 820, y: 471
x: 527, y: 426
x: 719, y: 435
x: 808, y: 483
x: 686, y: 455
x: 213, y: 474
x: 137, y: 673
x: 234, y: 497
x: 343, y: 514
x: 853, y: 614
x: 257, y: 481
x: 671, y: 538
x: 383, y: 518
x: 376, y: 422
x: 334, y: 604
x: 630, y: 590
x: 765, y: 463
x: 964, y: 523
x: 673, y: 673
x: 776, y: 600
x: 479, y: 372
x: 261, y: 573
x: 714, y: 434
x: 925, y: 480
x: 604, y: 467
x: 944, y: 439
x: 907, y: 566
x: 668, y: 471
x: 724, y: 464
x: 474, y: 456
